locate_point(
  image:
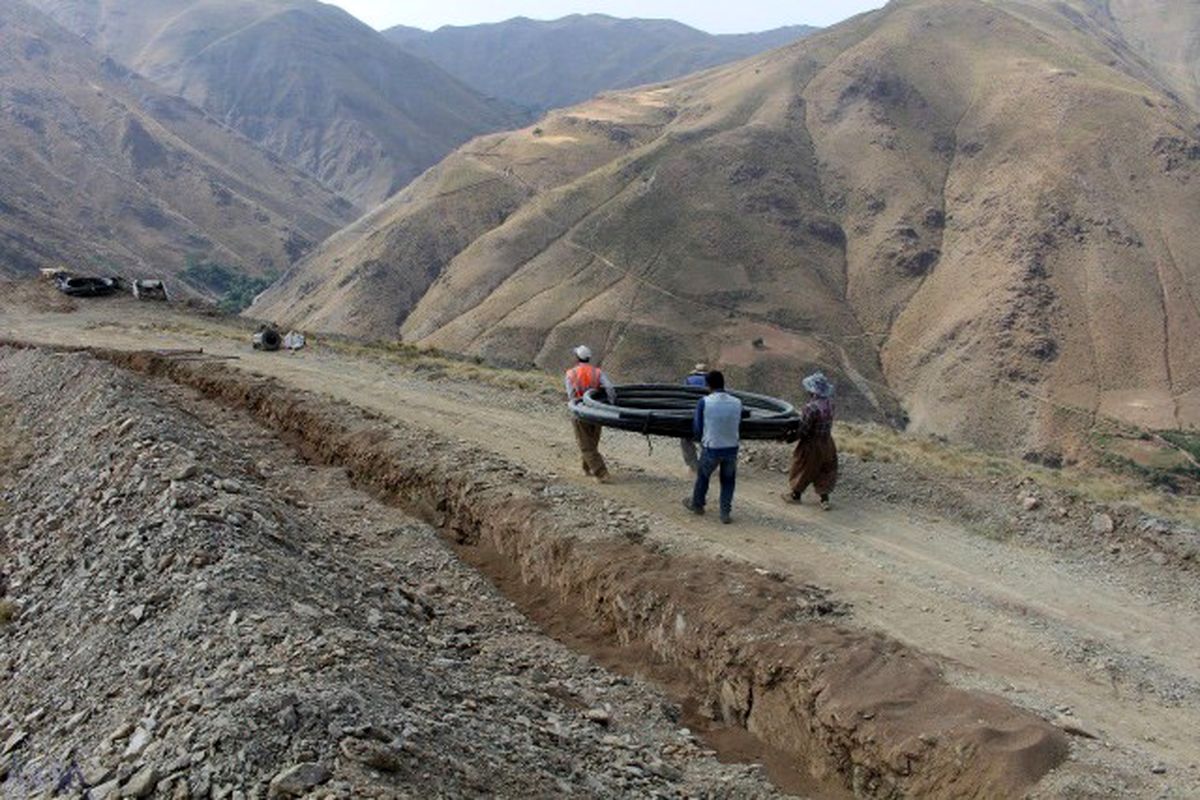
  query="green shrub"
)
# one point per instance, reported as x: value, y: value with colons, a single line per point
x: 1187, y: 442
x: 235, y: 289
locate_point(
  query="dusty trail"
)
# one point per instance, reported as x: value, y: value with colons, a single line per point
x: 1049, y: 633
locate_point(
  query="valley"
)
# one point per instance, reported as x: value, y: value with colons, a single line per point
x: 303, y: 79
x: 105, y: 172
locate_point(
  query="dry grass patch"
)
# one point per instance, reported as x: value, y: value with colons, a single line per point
x: 1097, y: 483
x: 14, y: 449
x: 220, y: 330
x: 436, y: 365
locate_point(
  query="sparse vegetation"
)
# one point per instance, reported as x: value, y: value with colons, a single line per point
x: 235, y: 289
x: 1111, y: 479
x: 14, y: 454
x: 1187, y: 442
x: 1165, y: 461
x: 436, y: 365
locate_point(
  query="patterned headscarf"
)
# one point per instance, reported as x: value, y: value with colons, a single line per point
x: 818, y: 384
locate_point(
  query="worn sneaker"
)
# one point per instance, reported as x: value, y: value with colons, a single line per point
x: 788, y: 497
x: 687, y: 503
x: 605, y: 478
x: 826, y: 505
x: 726, y: 519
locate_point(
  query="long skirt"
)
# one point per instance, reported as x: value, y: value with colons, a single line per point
x: 814, y: 463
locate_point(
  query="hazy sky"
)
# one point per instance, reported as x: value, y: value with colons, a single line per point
x: 714, y: 16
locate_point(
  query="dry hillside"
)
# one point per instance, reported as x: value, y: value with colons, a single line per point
x: 304, y: 79
x: 983, y: 210
x: 549, y: 64
x: 103, y: 170
x: 1166, y: 33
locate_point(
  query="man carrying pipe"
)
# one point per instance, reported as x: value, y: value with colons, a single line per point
x: 698, y: 378
x: 581, y: 379
x: 717, y: 426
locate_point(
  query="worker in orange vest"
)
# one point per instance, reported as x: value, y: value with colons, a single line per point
x: 581, y: 379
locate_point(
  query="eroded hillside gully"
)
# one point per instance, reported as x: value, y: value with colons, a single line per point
x: 837, y: 711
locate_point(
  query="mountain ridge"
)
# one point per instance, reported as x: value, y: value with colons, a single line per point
x: 105, y: 171
x: 895, y: 200
x: 304, y: 79
x: 543, y: 64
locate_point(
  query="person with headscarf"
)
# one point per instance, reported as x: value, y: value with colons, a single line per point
x: 698, y: 378
x: 581, y: 379
x: 815, y: 459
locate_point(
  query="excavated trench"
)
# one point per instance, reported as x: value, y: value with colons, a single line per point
x: 851, y: 710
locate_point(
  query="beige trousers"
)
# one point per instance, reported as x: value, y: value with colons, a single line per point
x: 587, y: 435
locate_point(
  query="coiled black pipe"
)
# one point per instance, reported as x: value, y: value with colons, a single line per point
x: 667, y: 410
x: 267, y: 339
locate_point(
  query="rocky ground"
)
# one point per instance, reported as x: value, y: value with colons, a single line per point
x: 197, y: 613
x: 1024, y: 509
x: 1019, y: 581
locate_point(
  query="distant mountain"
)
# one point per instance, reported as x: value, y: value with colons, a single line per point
x: 981, y: 213
x: 104, y: 171
x: 304, y: 79
x: 543, y: 65
x: 1166, y: 33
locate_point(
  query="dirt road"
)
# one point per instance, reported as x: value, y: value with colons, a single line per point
x: 1111, y: 655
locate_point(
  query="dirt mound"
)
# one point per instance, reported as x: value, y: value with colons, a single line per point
x: 756, y: 650
x: 197, y: 613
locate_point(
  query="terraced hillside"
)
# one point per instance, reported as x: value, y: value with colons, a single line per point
x: 976, y: 212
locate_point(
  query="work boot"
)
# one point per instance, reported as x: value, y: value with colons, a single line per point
x: 726, y: 519
x: 687, y: 503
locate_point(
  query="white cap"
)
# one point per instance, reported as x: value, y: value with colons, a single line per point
x: 583, y: 353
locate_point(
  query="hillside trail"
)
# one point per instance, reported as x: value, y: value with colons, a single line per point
x: 1102, y: 652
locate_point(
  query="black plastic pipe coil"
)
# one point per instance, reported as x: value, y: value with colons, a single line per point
x: 667, y: 410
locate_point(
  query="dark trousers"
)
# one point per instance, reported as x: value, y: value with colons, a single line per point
x: 710, y: 462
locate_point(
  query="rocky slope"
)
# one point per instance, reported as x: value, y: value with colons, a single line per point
x: 304, y: 79
x: 103, y: 171
x: 255, y: 626
x: 549, y: 64
x: 1165, y: 33
x: 205, y: 615
x: 976, y: 210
